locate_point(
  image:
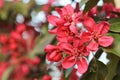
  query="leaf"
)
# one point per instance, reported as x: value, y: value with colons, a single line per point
x: 112, y: 65
x: 1, y: 57
x: 116, y: 77
x: 114, y: 24
x: 101, y: 71
x: 39, y: 48
x: 68, y: 72
x: 90, y: 76
x: 115, y: 47
x: 89, y: 5
x: 20, y: 7
x: 97, y: 71
x: 6, y: 74
x: 118, y: 67
x: 82, y: 2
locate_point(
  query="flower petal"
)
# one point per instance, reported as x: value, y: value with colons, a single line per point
x: 92, y: 46
x: 50, y: 48
x: 62, y: 39
x: 52, y: 19
x: 78, y: 17
x: 54, y: 56
x: 85, y: 51
x: 106, y: 41
x: 58, y: 10
x: 85, y: 36
x: 89, y: 23
x: 82, y: 65
x: 73, y: 29
x: 53, y: 31
x: 67, y: 48
x: 102, y: 28
x: 69, y: 9
x: 68, y: 62
x: 76, y: 42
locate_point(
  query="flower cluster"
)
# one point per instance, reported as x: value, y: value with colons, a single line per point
x: 14, y: 50
x: 75, y: 43
x: 108, y: 11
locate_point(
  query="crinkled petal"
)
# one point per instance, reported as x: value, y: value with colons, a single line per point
x: 53, y: 31
x: 68, y: 62
x: 54, y: 56
x: 50, y: 48
x: 85, y: 52
x: 82, y: 65
x: 69, y: 9
x: 52, y: 19
x: 76, y: 42
x: 62, y: 39
x: 102, y: 28
x: 67, y: 48
x: 62, y: 31
x: 89, y: 23
x: 92, y: 46
x: 85, y: 36
x: 60, y: 22
x: 78, y: 17
x: 106, y: 41
x: 73, y: 29
x: 58, y: 10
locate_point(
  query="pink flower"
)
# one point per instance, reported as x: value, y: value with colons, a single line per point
x: 66, y: 33
x: 3, y: 38
x: 66, y: 23
x: 93, y: 11
x: 20, y: 28
x: 15, y: 35
x: 108, y: 9
x: 75, y: 55
x: 95, y: 35
x: 53, y: 53
x: 1, y: 3
x: 67, y: 16
x: 47, y: 77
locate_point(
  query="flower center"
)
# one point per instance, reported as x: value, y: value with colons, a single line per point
x: 68, y: 18
x: 95, y: 36
x: 77, y: 52
x: 69, y: 33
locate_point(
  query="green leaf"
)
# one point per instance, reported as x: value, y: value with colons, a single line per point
x: 114, y: 24
x: 68, y: 71
x: 116, y: 77
x: 90, y: 76
x: 82, y: 2
x: 118, y: 68
x: 6, y: 74
x: 39, y: 48
x: 112, y: 65
x: 89, y: 5
x: 1, y: 57
x: 115, y: 47
x: 97, y: 71
x: 22, y: 8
